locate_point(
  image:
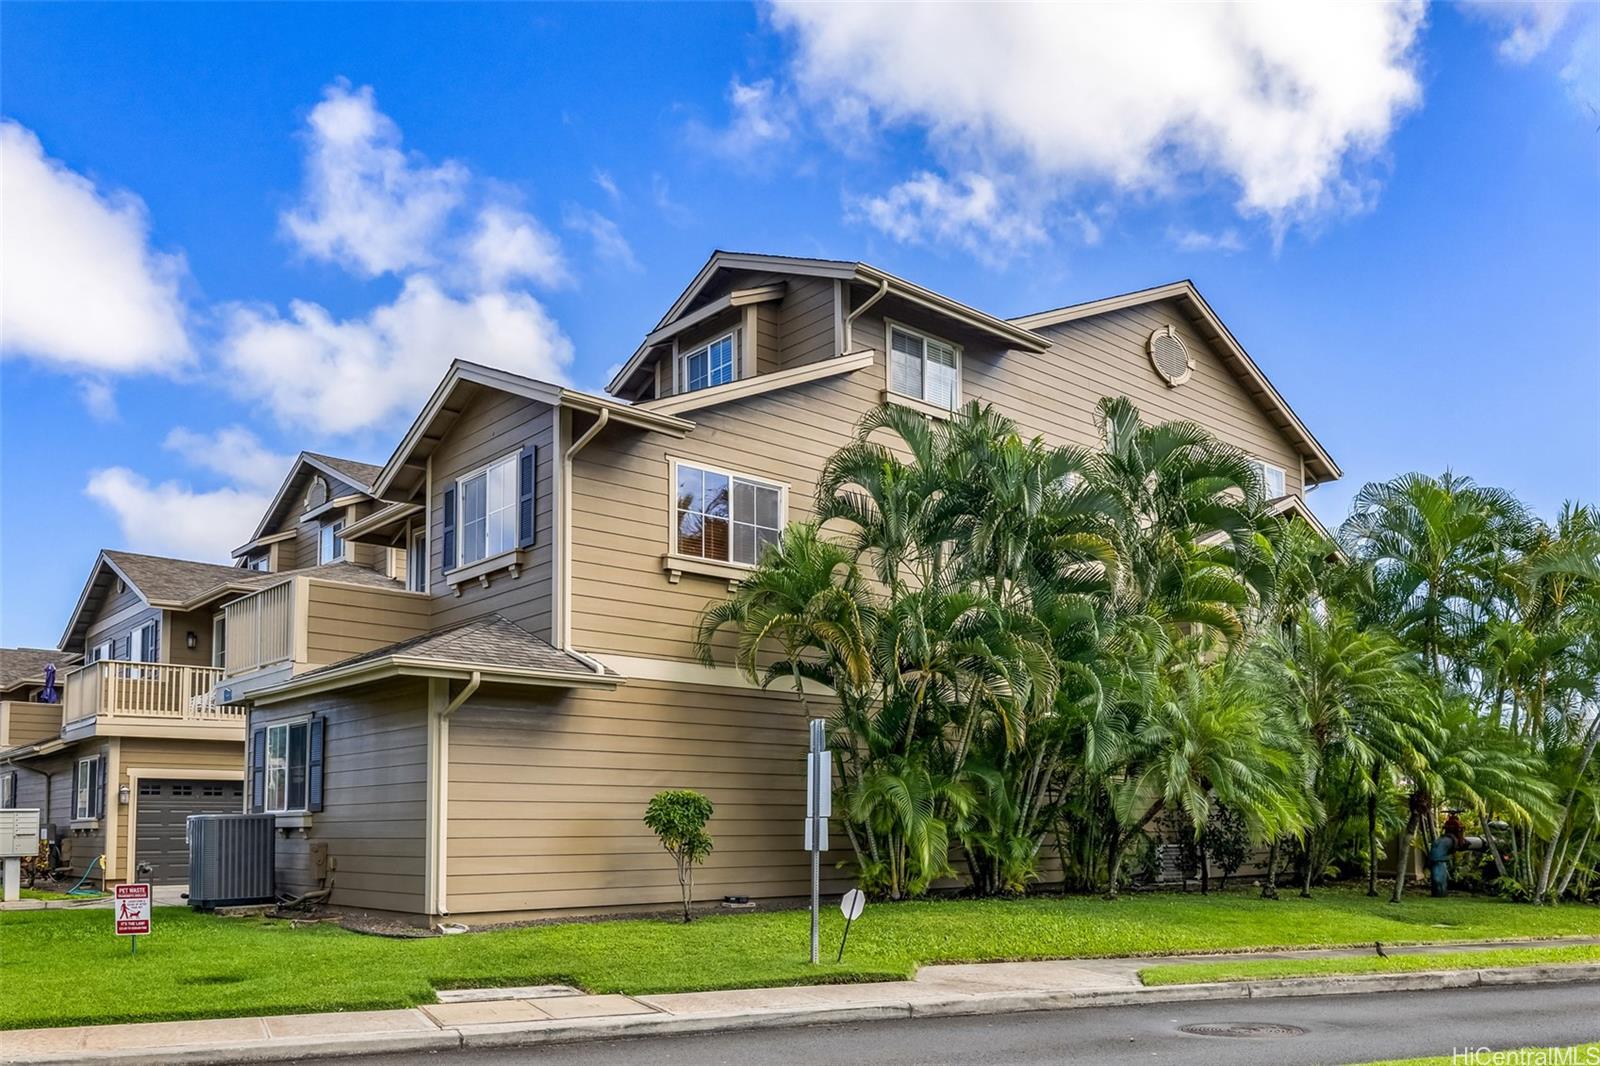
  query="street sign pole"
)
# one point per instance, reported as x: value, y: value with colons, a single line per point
x: 819, y: 805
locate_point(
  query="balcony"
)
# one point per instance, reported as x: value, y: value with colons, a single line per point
x: 117, y: 697
x: 25, y: 722
x: 306, y: 622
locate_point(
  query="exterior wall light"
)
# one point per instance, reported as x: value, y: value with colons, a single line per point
x: 191, y: 640
x: 122, y: 795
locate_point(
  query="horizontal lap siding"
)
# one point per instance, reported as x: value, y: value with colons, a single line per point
x: 547, y: 795
x: 808, y: 317
x: 375, y: 795
x: 31, y: 722
x: 346, y: 620
x: 622, y: 520
x: 492, y: 426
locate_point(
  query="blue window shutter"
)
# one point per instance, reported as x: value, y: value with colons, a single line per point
x: 525, y: 468
x: 100, y: 796
x: 314, y: 764
x: 258, y: 771
x: 447, y: 542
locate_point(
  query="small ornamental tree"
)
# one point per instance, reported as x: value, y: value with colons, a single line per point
x: 678, y: 817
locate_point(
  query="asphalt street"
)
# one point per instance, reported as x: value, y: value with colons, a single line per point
x: 1337, y: 1029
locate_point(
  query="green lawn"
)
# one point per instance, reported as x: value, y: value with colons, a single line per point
x: 1581, y: 1053
x: 76, y: 972
x: 39, y: 893
x: 1193, y: 973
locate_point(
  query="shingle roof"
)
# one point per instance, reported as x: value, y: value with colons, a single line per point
x: 18, y: 666
x: 361, y: 475
x: 491, y: 641
x: 170, y: 580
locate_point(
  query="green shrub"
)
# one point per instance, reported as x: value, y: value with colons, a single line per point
x: 678, y: 817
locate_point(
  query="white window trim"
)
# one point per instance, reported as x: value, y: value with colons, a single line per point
x: 266, y: 763
x: 337, y: 525
x: 680, y: 361
x: 1265, y: 466
x: 461, y: 500
x: 672, y: 512
x: 889, y: 326
x: 8, y: 791
x: 83, y: 801
x: 219, y: 639
x: 416, y: 558
x: 103, y: 650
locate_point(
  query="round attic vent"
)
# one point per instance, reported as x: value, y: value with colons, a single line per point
x: 1169, y: 356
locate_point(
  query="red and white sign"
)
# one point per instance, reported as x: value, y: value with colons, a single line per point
x: 133, y: 910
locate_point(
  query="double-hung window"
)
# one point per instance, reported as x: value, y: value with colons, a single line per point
x: 924, y: 368
x: 488, y: 511
x: 144, y: 643
x: 8, y: 791
x: 708, y: 365
x: 1273, y: 482
x: 725, y: 517
x: 287, y: 762
x: 417, y: 562
x: 219, y: 640
x: 330, y: 542
x: 86, y: 789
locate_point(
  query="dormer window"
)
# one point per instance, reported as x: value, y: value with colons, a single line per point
x: 708, y: 365
x: 330, y: 544
x: 924, y: 368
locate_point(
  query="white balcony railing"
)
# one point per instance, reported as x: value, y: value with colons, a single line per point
x: 259, y: 629
x: 115, y: 689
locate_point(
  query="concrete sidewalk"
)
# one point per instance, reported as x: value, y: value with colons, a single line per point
x: 160, y: 896
x: 552, y: 1013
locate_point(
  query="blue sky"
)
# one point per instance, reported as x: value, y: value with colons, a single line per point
x: 233, y: 232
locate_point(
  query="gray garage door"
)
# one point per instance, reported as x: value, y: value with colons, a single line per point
x: 163, y: 806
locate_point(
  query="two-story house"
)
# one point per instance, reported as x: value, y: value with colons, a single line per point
x: 494, y: 762
x: 141, y: 738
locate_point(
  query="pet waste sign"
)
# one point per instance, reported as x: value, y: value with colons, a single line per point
x: 132, y: 911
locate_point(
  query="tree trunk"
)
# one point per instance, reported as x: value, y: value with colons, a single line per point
x: 1270, y: 889
x: 1542, y: 890
x: 1405, y: 856
x: 1205, y: 869
x: 686, y: 883
x: 1372, y: 844
x: 1494, y: 848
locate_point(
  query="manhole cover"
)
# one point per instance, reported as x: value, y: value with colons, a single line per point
x: 1241, y: 1029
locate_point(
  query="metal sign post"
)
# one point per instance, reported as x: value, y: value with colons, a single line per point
x: 819, y: 805
x: 851, y: 906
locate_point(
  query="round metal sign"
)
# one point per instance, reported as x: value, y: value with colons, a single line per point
x: 853, y: 903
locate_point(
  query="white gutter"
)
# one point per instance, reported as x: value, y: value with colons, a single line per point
x: 564, y: 637
x: 442, y: 782
x: 850, y: 319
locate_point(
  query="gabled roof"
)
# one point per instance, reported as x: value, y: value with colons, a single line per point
x: 24, y: 666
x: 1319, y: 464
x: 842, y: 270
x: 159, y: 581
x: 438, y: 414
x: 491, y: 647
x: 358, y: 475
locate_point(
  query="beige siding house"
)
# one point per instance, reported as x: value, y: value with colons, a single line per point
x: 477, y: 738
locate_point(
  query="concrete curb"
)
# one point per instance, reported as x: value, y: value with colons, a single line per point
x: 517, y: 1034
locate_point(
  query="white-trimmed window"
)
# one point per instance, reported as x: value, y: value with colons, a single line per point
x: 8, y: 791
x: 219, y: 641
x: 260, y: 562
x: 487, y: 511
x: 723, y: 516
x: 417, y: 561
x: 102, y: 650
x: 288, y: 761
x: 144, y: 643
x: 86, y: 793
x: 1274, y: 483
x: 710, y: 364
x: 330, y: 542
x: 924, y: 368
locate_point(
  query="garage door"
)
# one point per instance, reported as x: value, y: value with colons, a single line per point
x: 163, y: 807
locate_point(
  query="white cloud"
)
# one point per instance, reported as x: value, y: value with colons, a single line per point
x: 605, y: 236
x: 1284, y: 102
x: 1184, y: 239
x: 761, y: 118
x: 608, y: 185
x: 368, y: 205
x: 970, y: 212
x: 234, y: 452
x: 1530, y: 26
x: 511, y: 245
x: 80, y: 286
x: 171, y: 518
x: 342, y: 376
x: 99, y: 399
x: 672, y: 211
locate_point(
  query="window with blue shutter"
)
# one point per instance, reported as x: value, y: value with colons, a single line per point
x: 258, y: 771
x: 525, y: 486
x: 314, y: 765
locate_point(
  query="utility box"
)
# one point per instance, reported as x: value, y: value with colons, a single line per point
x: 231, y: 859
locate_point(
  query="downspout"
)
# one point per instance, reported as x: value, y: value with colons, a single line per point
x: 439, y: 880
x: 850, y: 319
x: 565, y: 635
